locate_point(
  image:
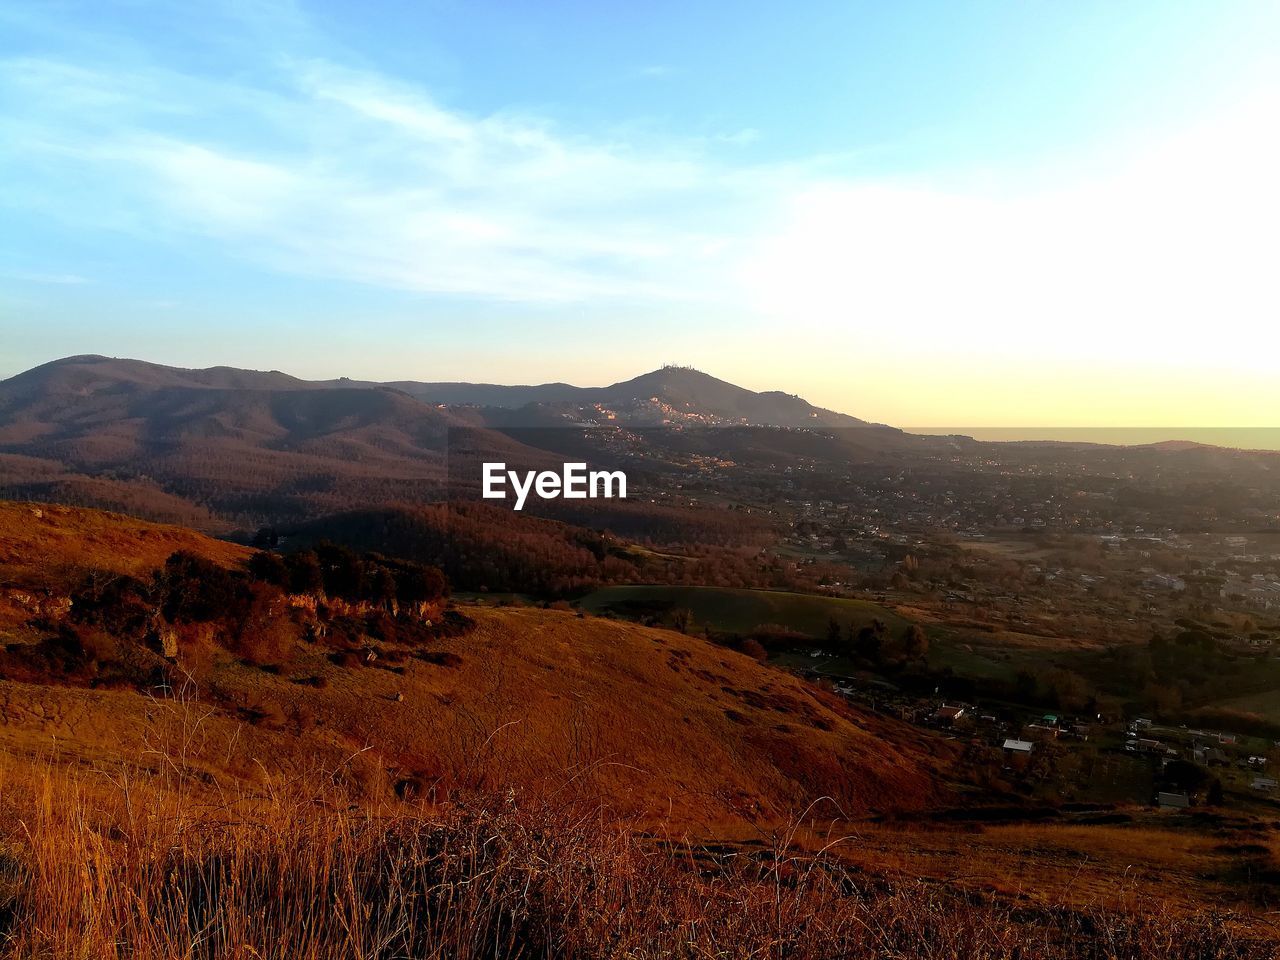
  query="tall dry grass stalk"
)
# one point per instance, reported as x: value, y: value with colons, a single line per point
x: 305, y: 876
x: 165, y: 865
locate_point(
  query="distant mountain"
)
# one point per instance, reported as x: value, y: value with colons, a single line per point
x: 89, y: 374
x: 179, y: 444
x: 691, y: 393
x: 245, y: 445
x: 226, y: 448
x: 672, y: 395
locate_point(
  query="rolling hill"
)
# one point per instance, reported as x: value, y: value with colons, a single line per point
x: 214, y: 447
x: 657, y: 724
x: 41, y: 541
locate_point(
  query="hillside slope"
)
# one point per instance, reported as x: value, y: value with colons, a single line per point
x: 654, y: 723
x: 40, y: 541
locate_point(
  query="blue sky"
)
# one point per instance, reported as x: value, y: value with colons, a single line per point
x: 922, y: 213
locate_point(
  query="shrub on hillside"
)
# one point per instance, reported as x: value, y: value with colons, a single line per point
x: 269, y: 568
x: 194, y: 589
x: 269, y: 713
x: 125, y: 630
x: 267, y: 633
x: 777, y: 636
x: 341, y: 574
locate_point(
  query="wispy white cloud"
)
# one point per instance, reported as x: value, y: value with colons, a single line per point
x: 353, y: 175
x: 744, y: 136
x: 55, y: 279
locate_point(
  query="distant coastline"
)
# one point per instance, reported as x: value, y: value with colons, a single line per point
x: 1238, y: 438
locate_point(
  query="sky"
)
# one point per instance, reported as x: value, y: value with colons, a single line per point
x: 1018, y: 214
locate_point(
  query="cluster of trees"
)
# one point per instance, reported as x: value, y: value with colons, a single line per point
x: 192, y: 604
x: 1054, y: 687
x: 485, y: 548
x: 478, y: 546
x: 183, y: 611
x: 193, y: 589
x: 874, y: 643
x: 337, y: 572
x: 1170, y: 674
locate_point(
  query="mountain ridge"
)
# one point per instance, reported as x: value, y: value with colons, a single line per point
x: 221, y: 445
x: 677, y: 392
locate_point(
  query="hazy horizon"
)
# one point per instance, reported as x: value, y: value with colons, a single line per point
x: 919, y: 214
x: 1236, y: 438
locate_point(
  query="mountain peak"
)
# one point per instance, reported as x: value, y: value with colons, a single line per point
x: 670, y: 375
x: 686, y: 392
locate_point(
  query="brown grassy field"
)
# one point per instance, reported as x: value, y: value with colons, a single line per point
x: 101, y: 863
x: 542, y: 785
x: 40, y: 540
x: 661, y: 725
x: 658, y: 724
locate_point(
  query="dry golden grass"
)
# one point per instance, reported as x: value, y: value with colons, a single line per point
x: 660, y: 726
x: 1096, y: 866
x: 99, y: 865
x: 997, y: 634
x: 40, y: 538
x: 170, y: 831
x: 575, y: 787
